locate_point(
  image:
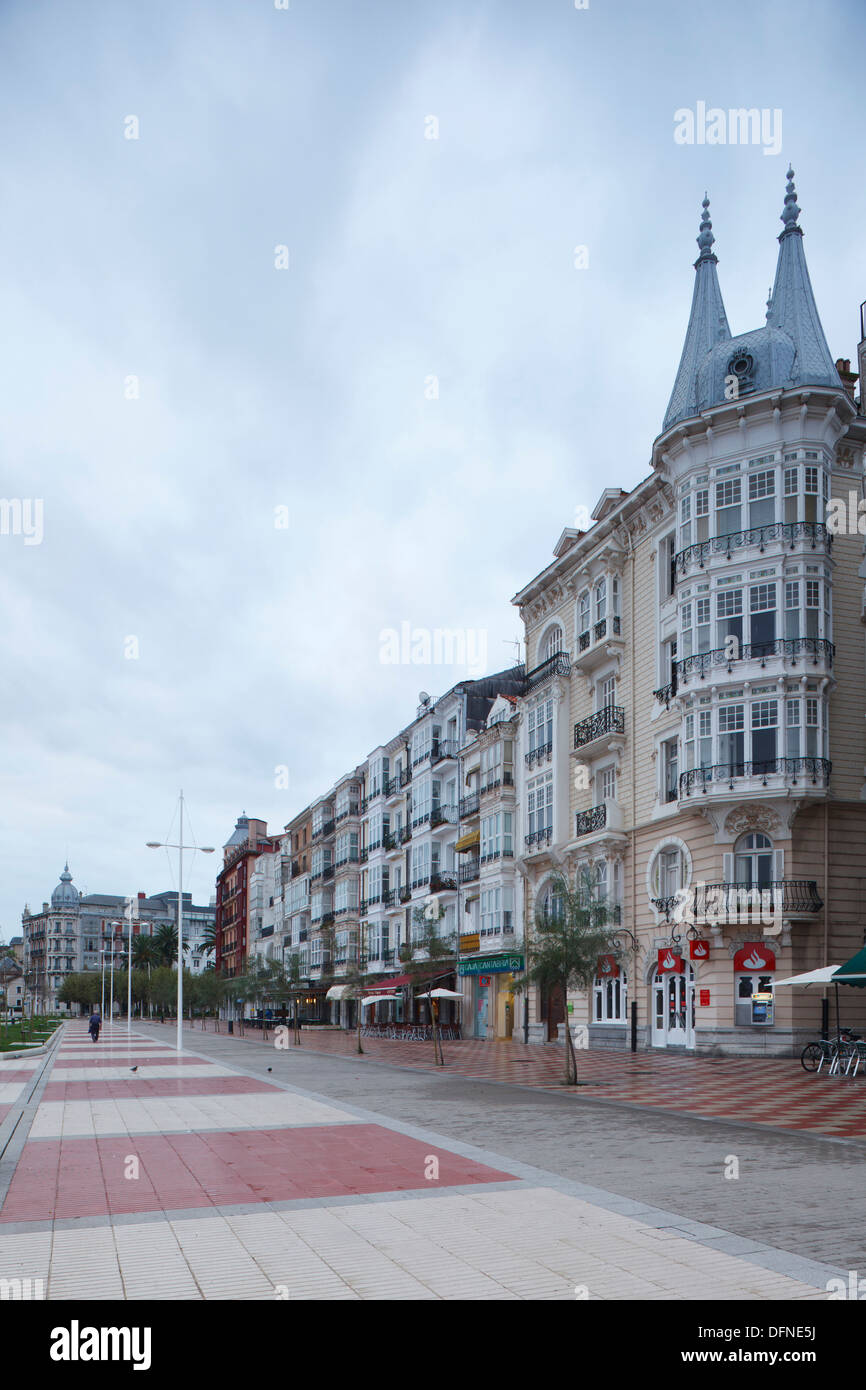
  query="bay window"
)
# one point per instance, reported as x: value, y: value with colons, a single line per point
x: 728, y: 502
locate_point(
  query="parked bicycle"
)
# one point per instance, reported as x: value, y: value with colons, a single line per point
x: 838, y: 1055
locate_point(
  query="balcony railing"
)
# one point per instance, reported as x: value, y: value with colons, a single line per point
x: 790, y: 531
x: 405, y: 834
x: 444, y: 748
x: 539, y: 837
x: 469, y: 805
x: 405, y: 776
x: 443, y: 883
x: 468, y: 872
x: 666, y: 693
x: 796, y: 770
x: 405, y: 893
x: 725, y: 900
x: 443, y: 815
x: 610, y: 720
x: 792, y: 648
x: 536, y: 755
x: 557, y: 665
x: 585, y: 822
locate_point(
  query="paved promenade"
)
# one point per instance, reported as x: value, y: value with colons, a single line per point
x: 134, y: 1173
x: 776, y: 1092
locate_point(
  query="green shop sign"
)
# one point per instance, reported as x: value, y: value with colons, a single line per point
x: 491, y: 965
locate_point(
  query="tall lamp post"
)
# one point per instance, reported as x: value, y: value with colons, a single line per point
x: 180, y: 847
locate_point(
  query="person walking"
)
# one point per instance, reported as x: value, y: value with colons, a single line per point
x: 94, y: 1025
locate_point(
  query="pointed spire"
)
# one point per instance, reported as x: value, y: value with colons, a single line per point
x: 708, y: 325
x: 792, y: 307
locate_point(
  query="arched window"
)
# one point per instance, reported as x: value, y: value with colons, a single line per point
x: 552, y: 643
x: 667, y: 874
x: 753, y: 860
x: 610, y: 998
x: 552, y: 905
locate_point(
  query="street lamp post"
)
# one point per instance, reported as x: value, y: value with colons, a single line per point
x: 180, y: 847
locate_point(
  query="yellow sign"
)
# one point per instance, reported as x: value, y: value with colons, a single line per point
x: 470, y: 943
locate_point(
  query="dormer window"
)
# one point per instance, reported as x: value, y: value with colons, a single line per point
x: 742, y: 366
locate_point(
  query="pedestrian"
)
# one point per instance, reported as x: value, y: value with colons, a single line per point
x: 94, y: 1025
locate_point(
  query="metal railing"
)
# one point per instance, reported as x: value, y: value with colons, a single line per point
x: 610, y: 720
x: 585, y: 822
x: 814, y: 770
x: 790, y: 531
x: 467, y: 873
x: 790, y: 647
x: 469, y: 805
x: 557, y: 665
x: 535, y: 755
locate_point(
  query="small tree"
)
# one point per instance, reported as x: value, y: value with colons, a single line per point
x: 439, y: 955
x: 359, y: 981
x: 564, y: 950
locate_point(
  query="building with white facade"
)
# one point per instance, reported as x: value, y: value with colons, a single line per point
x: 693, y: 729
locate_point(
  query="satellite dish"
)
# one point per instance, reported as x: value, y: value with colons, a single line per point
x: 423, y: 697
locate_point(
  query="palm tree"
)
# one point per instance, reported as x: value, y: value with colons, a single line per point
x: 165, y: 941
x: 209, y: 939
x: 144, y: 953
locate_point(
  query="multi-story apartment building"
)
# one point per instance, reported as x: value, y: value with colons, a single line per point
x: 692, y: 734
x: 491, y: 888
x: 411, y: 827
x: 75, y: 931
x: 234, y: 905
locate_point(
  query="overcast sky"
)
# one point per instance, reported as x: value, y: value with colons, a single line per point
x: 309, y: 388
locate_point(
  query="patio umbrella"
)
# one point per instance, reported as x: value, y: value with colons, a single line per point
x: 440, y: 994
x: 853, y: 972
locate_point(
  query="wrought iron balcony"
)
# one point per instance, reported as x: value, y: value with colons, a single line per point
x: 585, y: 822
x: 740, y: 900
x: 443, y: 748
x: 790, y: 531
x: 405, y: 776
x: 468, y: 872
x: 610, y: 720
x: 469, y: 805
x: 557, y: 665
x: 539, y: 837
x: 791, y: 648
x: 405, y: 834
x: 443, y: 815
x: 537, y: 755
x: 405, y: 893
x: 443, y: 883
x: 814, y: 770
x: 666, y: 693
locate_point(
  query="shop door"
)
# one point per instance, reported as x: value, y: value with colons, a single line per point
x: 554, y: 1012
x: 482, y: 1006
x: 673, y: 1003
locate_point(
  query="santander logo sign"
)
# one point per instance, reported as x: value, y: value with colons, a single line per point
x: 754, y: 955
x: 668, y: 960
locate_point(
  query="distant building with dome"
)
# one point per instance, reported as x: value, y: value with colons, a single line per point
x: 73, y: 929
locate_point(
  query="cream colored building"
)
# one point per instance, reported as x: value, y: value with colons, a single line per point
x: 692, y: 731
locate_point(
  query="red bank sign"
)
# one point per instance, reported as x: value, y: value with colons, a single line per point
x: 608, y: 967
x: 755, y: 956
x: 669, y: 961
x: 699, y: 950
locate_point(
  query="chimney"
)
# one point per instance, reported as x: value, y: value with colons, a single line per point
x: 848, y: 378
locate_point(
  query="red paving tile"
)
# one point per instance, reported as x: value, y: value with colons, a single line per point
x: 85, y: 1177
x: 137, y: 1086
x: 772, y: 1091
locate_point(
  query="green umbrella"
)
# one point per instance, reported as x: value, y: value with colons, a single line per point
x: 853, y: 972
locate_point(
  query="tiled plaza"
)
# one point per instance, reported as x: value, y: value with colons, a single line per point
x: 187, y: 1178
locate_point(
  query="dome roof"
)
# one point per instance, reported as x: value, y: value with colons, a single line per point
x: 64, y: 894
x: 759, y: 360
